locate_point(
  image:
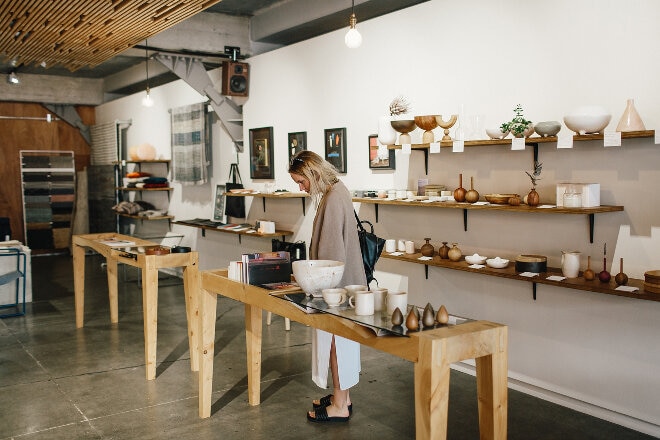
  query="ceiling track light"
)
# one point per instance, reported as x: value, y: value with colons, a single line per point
x: 12, y: 78
x: 353, y: 39
x: 147, y: 101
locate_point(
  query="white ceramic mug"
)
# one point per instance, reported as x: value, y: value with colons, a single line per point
x: 390, y: 245
x: 363, y: 302
x: 397, y: 300
x: 351, y: 289
x: 380, y: 298
x: 334, y: 297
x: 410, y: 247
x: 401, y: 245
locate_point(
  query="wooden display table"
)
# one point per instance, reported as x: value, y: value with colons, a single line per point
x: 432, y: 351
x: 149, y: 264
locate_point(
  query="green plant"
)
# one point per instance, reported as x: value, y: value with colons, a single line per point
x: 535, y: 175
x: 518, y: 124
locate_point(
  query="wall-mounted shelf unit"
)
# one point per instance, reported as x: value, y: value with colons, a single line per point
x: 533, y: 141
x: 207, y: 225
x: 276, y: 195
x: 589, y: 212
x: 510, y: 273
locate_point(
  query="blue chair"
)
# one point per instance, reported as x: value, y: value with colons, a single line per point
x: 17, y: 308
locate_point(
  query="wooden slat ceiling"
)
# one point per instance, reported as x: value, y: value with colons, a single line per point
x: 77, y: 33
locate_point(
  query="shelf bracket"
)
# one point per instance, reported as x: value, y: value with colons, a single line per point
x: 203, y: 232
x: 465, y: 219
x: 239, y: 238
x: 534, y: 290
x: 426, y: 161
x: 302, y: 199
x: 592, y: 220
x: 426, y: 271
x: 263, y: 200
x: 376, y: 211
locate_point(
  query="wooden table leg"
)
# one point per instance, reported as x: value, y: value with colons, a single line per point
x: 112, y: 289
x: 253, y: 333
x: 431, y: 390
x: 191, y: 289
x: 79, y: 283
x: 150, y: 314
x: 492, y: 390
x: 208, y: 302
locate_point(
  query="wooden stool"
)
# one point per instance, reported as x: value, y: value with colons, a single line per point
x: 287, y: 321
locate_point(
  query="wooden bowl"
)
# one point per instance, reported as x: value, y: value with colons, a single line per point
x: 499, y: 199
x: 404, y: 125
x: 426, y: 123
x: 652, y: 276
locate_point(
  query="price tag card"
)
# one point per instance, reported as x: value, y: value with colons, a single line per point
x: 405, y: 148
x: 434, y: 147
x: 396, y: 254
x: 657, y: 136
x: 612, y: 139
x: 518, y: 144
x: 425, y: 258
x: 458, y: 146
x: 528, y: 274
x: 555, y: 278
x: 565, y: 140
x: 627, y: 288
x: 476, y: 266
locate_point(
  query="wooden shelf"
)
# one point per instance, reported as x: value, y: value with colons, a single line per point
x: 278, y: 195
x: 204, y: 228
x: 590, y: 212
x: 166, y: 161
x: 532, y: 140
x: 123, y: 188
x: 510, y: 273
x: 144, y: 217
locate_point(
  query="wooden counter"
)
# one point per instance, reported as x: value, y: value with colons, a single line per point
x: 431, y: 351
x: 149, y: 264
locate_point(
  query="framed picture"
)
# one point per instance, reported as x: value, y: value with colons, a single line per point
x: 335, y: 148
x: 380, y: 157
x: 219, y: 208
x: 261, y: 153
x: 297, y: 142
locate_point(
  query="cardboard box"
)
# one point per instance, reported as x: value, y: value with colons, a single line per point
x: 590, y: 193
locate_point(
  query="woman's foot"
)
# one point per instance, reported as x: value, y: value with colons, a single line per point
x: 326, y: 401
x: 329, y: 414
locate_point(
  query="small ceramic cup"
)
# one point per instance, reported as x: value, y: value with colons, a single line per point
x: 334, y: 297
x: 363, y: 303
x: 401, y: 245
x: 397, y: 299
x: 390, y: 245
x: 380, y: 298
x: 352, y: 289
x: 410, y: 247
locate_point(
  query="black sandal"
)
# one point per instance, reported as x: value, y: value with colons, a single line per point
x: 321, y: 416
x: 326, y: 401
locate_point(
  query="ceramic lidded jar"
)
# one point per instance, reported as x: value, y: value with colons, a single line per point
x: 443, y: 252
x: 427, y: 249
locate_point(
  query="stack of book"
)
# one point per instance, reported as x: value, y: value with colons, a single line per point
x: 271, y: 270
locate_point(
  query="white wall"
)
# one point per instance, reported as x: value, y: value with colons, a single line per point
x: 591, y: 351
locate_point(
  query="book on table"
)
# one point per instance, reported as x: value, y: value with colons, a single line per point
x: 261, y: 268
x: 115, y: 242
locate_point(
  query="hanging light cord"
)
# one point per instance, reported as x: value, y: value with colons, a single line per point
x: 146, y: 60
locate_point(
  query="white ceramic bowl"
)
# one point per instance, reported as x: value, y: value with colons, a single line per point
x: 497, y: 262
x: 496, y: 133
x: 475, y: 259
x: 315, y: 275
x: 588, y: 119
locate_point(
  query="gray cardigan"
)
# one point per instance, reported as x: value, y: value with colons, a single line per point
x: 335, y: 237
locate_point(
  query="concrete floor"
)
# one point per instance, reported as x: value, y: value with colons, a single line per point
x: 57, y: 382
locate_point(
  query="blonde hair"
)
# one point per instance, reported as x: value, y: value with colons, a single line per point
x: 320, y: 173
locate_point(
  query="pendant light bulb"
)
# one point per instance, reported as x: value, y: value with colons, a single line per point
x: 147, y: 101
x: 353, y: 39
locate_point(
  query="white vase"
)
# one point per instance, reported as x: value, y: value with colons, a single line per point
x: 630, y: 119
x: 386, y: 134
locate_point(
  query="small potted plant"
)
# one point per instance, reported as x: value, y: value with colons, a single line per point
x: 533, y: 196
x: 518, y: 126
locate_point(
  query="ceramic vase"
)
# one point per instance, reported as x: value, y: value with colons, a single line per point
x: 630, y: 119
x: 533, y: 198
x: 443, y: 252
x: 427, y: 249
x: 386, y: 134
x: 454, y: 253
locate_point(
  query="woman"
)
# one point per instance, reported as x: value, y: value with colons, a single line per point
x: 334, y: 237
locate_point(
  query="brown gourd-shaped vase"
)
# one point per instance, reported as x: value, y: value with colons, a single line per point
x: 427, y: 249
x: 533, y: 198
x: 472, y: 195
x: 397, y: 317
x: 588, y: 274
x: 443, y: 252
x: 621, y: 278
x: 428, y: 316
x: 454, y: 254
x: 459, y: 193
x: 443, y: 316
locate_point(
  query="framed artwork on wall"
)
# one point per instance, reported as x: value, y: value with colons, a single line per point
x: 261, y: 153
x: 219, y: 207
x: 335, y: 148
x: 380, y: 158
x: 297, y: 142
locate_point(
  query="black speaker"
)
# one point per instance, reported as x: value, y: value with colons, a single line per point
x: 235, y: 78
